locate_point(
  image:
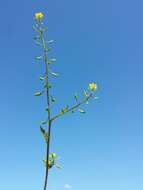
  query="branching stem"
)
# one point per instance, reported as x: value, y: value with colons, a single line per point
x: 48, y: 105
x: 72, y: 108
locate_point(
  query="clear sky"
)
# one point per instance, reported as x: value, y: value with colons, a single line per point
x: 95, y: 40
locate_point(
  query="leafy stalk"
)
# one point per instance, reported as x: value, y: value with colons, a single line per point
x: 48, y: 105
x: 72, y: 108
x: 50, y: 160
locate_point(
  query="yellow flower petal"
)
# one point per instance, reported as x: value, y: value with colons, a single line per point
x: 39, y: 16
x: 92, y: 86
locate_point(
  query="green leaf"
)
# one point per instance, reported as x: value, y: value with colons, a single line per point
x: 42, y: 78
x: 86, y: 93
x: 43, y: 122
x: 47, y: 86
x: 76, y: 97
x: 53, y: 99
x: 87, y: 102
x: 42, y: 130
x: 51, y: 41
x: 38, y: 94
x: 95, y: 97
x: 58, y: 166
x: 55, y: 74
x: 52, y: 61
x: 36, y: 38
x: 64, y: 110
x: 81, y: 110
x: 35, y: 29
x: 45, y: 162
x: 39, y: 44
x: 44, y: 133
x: 50, y: 163
x: 47, y: 109
x: 73, y: 111
x: 53, y: 155
x: 48, y: 49
x: 39, y: 57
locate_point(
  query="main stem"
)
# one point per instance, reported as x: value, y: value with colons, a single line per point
x: 49, y: 126
x: 49, y: 130
x: 49, y: 111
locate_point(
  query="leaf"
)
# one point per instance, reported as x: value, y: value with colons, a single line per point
x: 86, y: 93
x: 42, y: 78
x: 53, y: 155
x: 42, y: 130
x: 52, y: 61
x: 87, y: 102
x: 51, y: 163
x: 47, y: 109
x: 43, y: 122
x: 47, y: 86
x: 48, y: 49
x: 36, y: 38
x: 37, y: 42
x: 58, y: 166
x: 51, y: 41
x: 35, y: 29
x: 53, y: 99
x: 45, y: 162
x: 38, y: 94
x: 81, y: 110
x: 76, y: 97
x: 55, y: 74
x: 45, y: 135
x: 64, y: 110
x: 39, y: 57
x: 73, y: 111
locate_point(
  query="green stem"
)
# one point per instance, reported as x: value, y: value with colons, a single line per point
x: 72, y: 108
x: 49, y: 110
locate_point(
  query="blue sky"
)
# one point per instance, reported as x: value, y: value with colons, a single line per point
x: 99, y: 41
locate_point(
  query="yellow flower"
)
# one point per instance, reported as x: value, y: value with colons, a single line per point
x: 92, y: 86
x: 39, y: 16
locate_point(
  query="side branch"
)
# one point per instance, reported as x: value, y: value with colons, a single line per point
x: 71, y: 109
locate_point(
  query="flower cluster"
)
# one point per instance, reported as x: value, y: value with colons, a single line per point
x: 39, y: 16
x: 92, y: 86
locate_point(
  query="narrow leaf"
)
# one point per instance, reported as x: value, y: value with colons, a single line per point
x: 41, y: 78
x: 55, y: 74
x: 47, y: 109
x: 53, y: 99
x: 58, y: 166
x: 45, y: 135
x: 73, y: 111
x: 52, y: 61
x: 43, y: 122
x: 53, y: 155
x: 39, y: 58
x: 42, y: 130
x: 86, y: 93
x: 81, y: 110
x: 47, y: 86
x: 51, y: 41
x: 38, y: 94
x: 76, y: 97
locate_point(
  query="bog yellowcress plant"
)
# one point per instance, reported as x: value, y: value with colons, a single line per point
x: 46, y: 46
